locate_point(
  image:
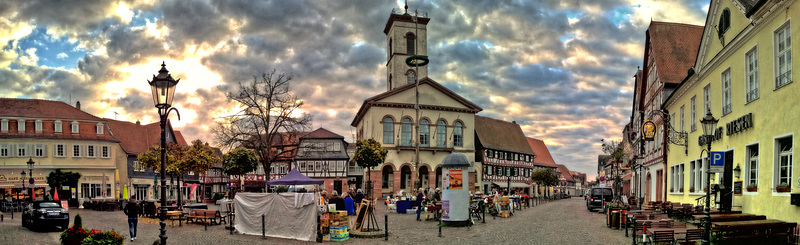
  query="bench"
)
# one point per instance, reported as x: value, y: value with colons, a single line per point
x: 206, y: 216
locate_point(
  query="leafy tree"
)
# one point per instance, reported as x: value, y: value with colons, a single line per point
x: 616, y: 150
x: 238, y: 162
x: 369, y: 153
x: 57, y: 179
x: 152, y: 158
x: 544, y: 177
x: 268, y: 108
x: 198, y: 158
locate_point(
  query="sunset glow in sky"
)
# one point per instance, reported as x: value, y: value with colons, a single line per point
x: 561, y: 69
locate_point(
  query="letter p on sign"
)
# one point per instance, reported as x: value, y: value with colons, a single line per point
x: 717, y: 162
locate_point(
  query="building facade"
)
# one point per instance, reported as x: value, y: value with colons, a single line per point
x: 543, y: 160
x: 445, y: 121
x: 743, y: 76
x: 56, y: 135
x: 323, y: 155
x: 504, y: 154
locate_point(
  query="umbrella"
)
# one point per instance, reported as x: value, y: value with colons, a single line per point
x: 55, y: 197
x: 125, y: 191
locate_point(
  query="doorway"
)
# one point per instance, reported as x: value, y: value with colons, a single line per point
x: 337, y: 186
x: 659, y: 185
x: 647, y: 188
x: 726, y: 188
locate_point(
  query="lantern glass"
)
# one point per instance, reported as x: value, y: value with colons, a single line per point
x: 23, y: 174
x: 163, y: 88
x: 30, y: 163
x: 709, y: 124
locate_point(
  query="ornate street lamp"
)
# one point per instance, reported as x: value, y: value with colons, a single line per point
x: 30, y: 181
x: 22, y: 182
x: 163, y: 88
x: 709, y: 125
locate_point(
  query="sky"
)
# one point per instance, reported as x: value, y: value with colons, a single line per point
x: 563, y: 70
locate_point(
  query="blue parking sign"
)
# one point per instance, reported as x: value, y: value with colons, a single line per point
x: 717, y: 164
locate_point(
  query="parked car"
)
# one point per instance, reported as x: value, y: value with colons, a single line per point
x: 45, y: 213
x: 598, y: 197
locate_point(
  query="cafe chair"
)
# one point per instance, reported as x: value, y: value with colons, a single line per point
x: 663, y: 237
x: 694, y: 235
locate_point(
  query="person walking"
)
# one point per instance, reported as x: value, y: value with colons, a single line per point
x: 359, y: 196
x: 418, y: 202
x: 132, y: 209
x: 336, y: 199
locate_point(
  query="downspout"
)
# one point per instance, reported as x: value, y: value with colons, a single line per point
x: 665, y: 144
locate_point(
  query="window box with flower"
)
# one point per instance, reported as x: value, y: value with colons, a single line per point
x: 783, y: 187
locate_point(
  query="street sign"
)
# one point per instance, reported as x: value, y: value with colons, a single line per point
x: 31, y: 181
x: 602, y: 178
x: 717, y: 164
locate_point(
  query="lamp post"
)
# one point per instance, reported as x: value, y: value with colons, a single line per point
x: 709, y: 124
x: 163, y: 89
x: 30, y: 181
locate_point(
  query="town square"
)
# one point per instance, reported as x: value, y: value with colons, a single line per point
x: 398, y: 122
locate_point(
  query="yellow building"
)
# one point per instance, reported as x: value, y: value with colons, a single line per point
x: 743, y: 75
x: 56, y: 135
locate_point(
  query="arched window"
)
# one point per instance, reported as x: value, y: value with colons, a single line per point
x: 441, y: 134
x: 388, y: 130
x: 409, y: 43
x: 405, y: 136
x: 424, y: 133
x: 411, y: 77
x: 724, y: 22
x: 458, y: 135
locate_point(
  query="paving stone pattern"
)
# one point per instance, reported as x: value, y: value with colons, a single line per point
x: 558, y: 222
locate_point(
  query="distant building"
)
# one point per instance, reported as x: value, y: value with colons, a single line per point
x: 504, y: 154
x: 323, y: 155
x: 543, y: 160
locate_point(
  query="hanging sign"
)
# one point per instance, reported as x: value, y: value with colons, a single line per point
x: 649, y: 130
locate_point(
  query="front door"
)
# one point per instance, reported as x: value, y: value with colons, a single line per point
x: 647, y: 188
x: 726, y: 193
x: 337, y: 186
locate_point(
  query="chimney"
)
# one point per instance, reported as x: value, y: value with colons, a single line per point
x: 78, y: 105
x: 138, y: 122
x: 514, y: 122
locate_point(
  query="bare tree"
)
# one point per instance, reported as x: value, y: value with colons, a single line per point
x: 268, y: 111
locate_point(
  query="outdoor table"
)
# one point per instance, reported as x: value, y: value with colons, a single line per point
x: 730, y: 217
x: 173, y: 215
x: 754, y: 229
x: 402, y: 206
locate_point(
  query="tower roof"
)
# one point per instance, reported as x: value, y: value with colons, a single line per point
x: 403, y: 18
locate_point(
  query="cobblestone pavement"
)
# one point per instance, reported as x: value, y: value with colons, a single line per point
x: 558, y: 222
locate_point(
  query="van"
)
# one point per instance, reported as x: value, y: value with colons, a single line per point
x: 598, y: 197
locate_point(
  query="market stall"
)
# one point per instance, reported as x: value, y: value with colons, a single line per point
x: 286, y: 215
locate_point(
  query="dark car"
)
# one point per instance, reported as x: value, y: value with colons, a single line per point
x: 598, y: 196
x: 45, y: 214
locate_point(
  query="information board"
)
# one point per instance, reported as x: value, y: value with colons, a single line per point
x: 737, y: 188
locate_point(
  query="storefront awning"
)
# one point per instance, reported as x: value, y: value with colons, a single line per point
x: 513, y: 184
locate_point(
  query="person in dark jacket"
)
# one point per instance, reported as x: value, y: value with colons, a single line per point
x: 336, y: 199
x: 132, y: 210
x: 359, y: 196
x: 418, y: 202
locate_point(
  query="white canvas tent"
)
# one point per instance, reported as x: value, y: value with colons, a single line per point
x: 287, y: 215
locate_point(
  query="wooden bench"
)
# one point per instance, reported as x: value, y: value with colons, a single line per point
x: 206, y: 216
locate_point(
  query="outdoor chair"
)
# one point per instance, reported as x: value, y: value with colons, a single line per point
x: 694, y: 235
x: 663, y: 224
x: 663, y: 237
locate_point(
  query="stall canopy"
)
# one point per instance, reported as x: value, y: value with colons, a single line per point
x: 294, y: 177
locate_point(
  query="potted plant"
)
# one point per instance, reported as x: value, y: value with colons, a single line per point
x: 681, y: 190
x: 705, y: 189
x: 691, y: 189
x: 783, y: 187
x: 752, y: 188
x: 671, y: 190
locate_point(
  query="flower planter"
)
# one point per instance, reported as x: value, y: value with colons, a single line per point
x: 681, y: 190
x: 752, y: 189
x: 671, y: 190
x: 783, y: 189
x: 691, y: 190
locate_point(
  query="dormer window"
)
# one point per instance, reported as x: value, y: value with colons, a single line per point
x: 58, y: 128
x: 74, y: 125
x: 21, y: 125
x: 724, y: 22
x: 99, y: 128
x: 38, y: 126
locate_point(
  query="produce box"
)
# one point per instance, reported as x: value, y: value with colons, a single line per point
x: 324, y: 223
x: 504, y: 214
x: 339, y: 223
x: 339, y: 215
x: 338, y: 229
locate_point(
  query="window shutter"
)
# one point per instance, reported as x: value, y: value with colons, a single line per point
x: 44, y: 150
x: 12, y: 150
x: 30, y: 151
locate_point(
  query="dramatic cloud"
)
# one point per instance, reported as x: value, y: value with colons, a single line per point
x: 561, y: 69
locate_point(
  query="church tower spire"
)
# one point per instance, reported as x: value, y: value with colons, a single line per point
x: 406, y: 35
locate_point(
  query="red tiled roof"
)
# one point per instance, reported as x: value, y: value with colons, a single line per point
x: 565, y: 173
x: 501, y: 135
x: 322, y: 133
x: 36, y: 108
x: 179, y: 138
x: 135, y: 138
x: 48, y: 112
x: 675, y: 48
x: 543, y: 157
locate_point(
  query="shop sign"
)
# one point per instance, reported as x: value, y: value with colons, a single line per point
x: 740, y: 124
x: 703, y: 140
x: 649, y: 130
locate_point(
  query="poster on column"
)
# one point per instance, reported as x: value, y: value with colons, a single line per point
x: 456, y: 180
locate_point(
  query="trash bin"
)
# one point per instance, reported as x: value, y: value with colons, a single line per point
x: 615, y: 219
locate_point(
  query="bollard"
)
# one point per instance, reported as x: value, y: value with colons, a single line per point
x: 230, y: 217
x: 263, y: 228
x: 440, y: 227
x: 205, y: 225
x: 386, y: 226
x: 483, y: 208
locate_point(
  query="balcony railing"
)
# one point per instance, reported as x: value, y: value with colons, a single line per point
x: 752, y: 95
x: 783, y: 79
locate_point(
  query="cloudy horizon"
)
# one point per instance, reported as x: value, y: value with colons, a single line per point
x: 563, y: 70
